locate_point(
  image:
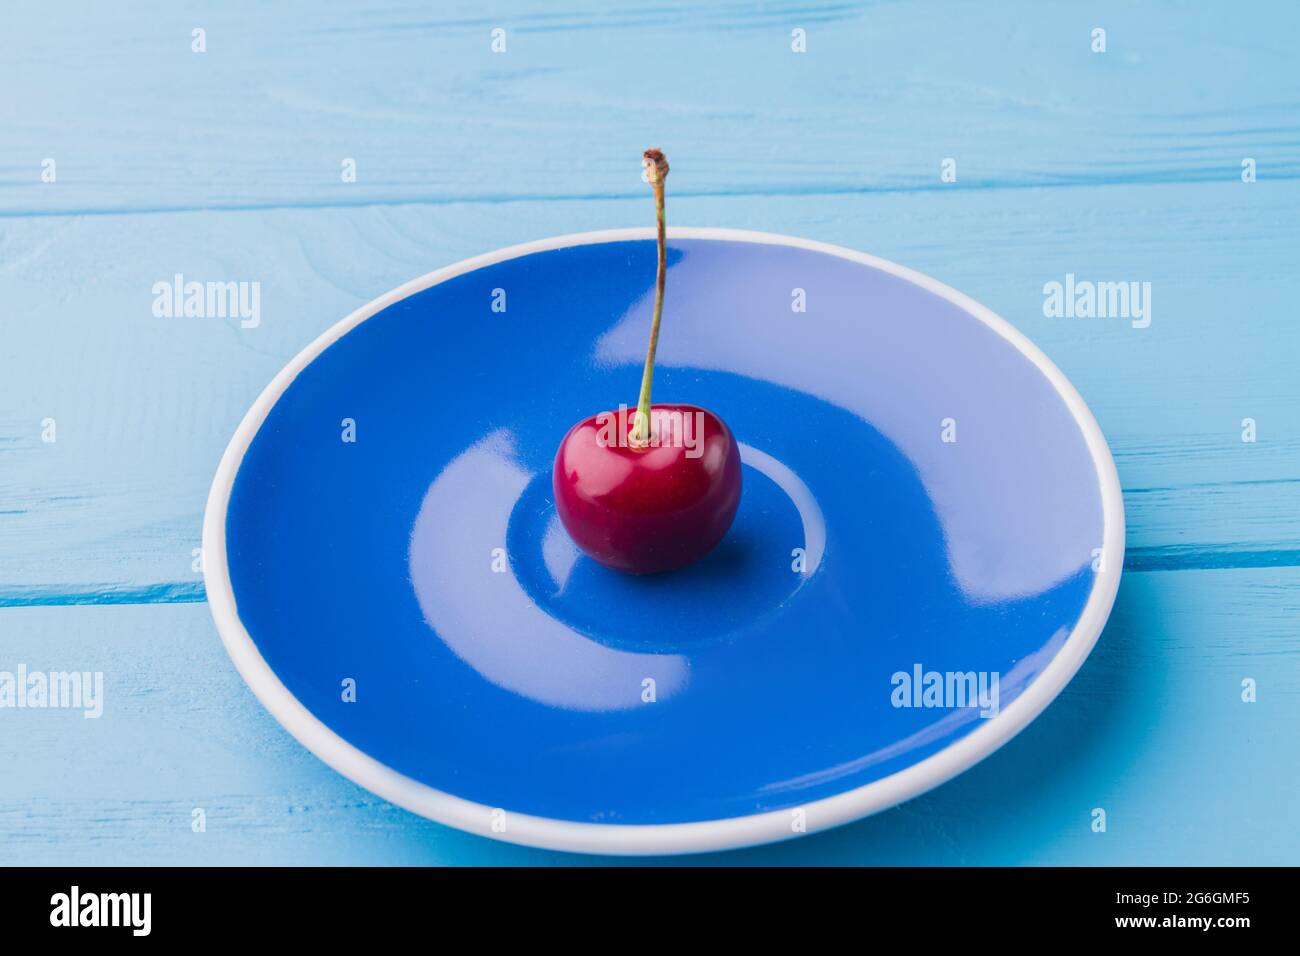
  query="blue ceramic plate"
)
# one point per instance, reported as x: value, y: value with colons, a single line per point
x: 929, y: 542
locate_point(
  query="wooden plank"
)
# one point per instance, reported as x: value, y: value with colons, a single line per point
x: 144, y: 406
x: 1153, y: 730
x: 416, y: 96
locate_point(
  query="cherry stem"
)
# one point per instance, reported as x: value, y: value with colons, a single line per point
x: 656, y: 169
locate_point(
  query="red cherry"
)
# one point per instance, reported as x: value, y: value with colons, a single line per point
x: 655, y: 490
x: 650, y: 508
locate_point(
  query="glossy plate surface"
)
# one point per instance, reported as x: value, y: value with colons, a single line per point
x: 924, y: 494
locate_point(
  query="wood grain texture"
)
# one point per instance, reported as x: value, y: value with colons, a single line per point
x: 226, y: 166
x: 1153, y: 730
x: 416, y: 95
x: 144, y: 406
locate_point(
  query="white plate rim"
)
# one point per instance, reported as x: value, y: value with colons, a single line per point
x: 671, y: 838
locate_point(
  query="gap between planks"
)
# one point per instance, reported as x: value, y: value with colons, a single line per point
x: 1136, y: 561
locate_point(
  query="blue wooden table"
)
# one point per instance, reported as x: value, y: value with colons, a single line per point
x: 134, y: 147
